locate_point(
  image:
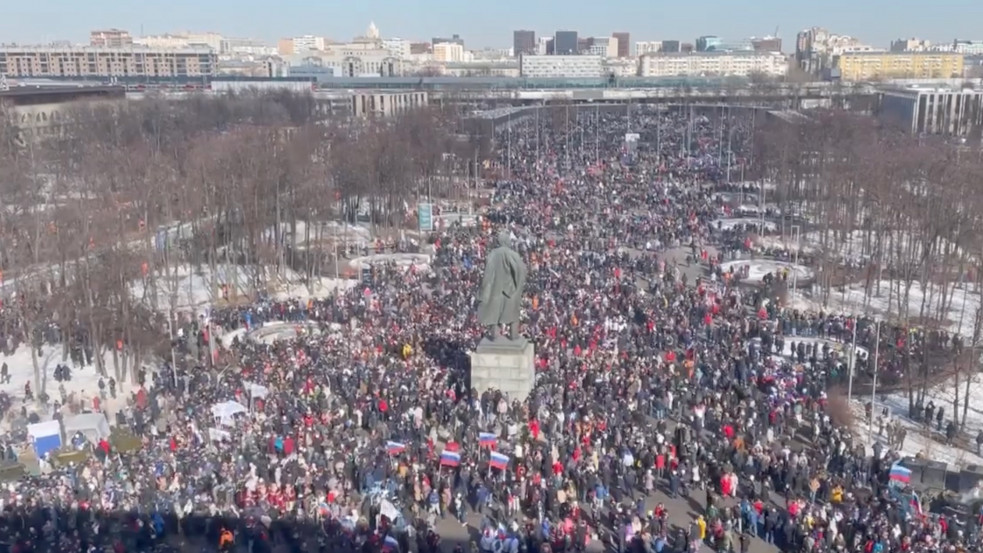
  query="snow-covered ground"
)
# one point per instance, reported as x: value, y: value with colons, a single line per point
x: 418, y: 260
x: 761, y: 267
x: 728, y: 224
x: 84, y: 381
x: 929, y: 442
x: 331, y: 232
x: 958, y: 317
x: 187, y: 288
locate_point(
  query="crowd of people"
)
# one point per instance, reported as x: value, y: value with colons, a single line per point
x: 664, y: 416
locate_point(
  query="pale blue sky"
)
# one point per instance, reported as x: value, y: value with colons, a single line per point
x: 491, y: 23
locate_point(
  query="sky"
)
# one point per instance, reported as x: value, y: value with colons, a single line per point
x: 490, y: 23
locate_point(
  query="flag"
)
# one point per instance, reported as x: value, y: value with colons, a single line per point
x: 395, y: 448
x: 900, y: 474
x: 499, y: 460
x: 452, y: 446
x: 390, y: 544
x: 487, y: 439
x: 450, y: 458
x: 916, y: 504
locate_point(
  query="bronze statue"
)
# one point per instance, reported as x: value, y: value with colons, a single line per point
x: 501, y: 289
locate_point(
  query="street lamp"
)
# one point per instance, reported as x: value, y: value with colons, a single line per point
x: 796, y: 231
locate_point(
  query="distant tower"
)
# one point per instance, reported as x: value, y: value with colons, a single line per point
x: 372, y: 32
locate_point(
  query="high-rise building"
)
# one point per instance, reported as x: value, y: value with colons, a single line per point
x: 670, y: 46
x: 565, y: 43
x: 110, y: 38
x: 523, y: 42
x: 624, y: 40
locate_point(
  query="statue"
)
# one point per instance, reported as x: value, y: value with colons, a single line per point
x: 501, y: 289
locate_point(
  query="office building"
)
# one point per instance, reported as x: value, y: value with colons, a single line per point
x: 968, y: 47
x: 110, y: 38
x: 624, y: 41
x: 554, y: 66
x: 670, y: 46
x: 953, y: 112
x: 565, y: 43
x: 454, y: 39
x: 135, y: 62
x: 711, y: 43
x: 713, y: 64
x: 544, y: 46
x: 766, y: 44
x: 606, y: 47
x: 864, y: 66
x: 523, y: 42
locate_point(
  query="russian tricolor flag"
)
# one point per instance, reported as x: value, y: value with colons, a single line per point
x: 916, y: 504
x: 900, y: 474
x: 499, y: 460
x: 390, y: 544
x: 395, y: 448
x: 487, y: 439
x: 450, y: 458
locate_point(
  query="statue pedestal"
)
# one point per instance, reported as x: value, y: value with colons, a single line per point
x: 504, y: 365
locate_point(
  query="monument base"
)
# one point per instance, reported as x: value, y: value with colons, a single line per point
x: 504, y: 365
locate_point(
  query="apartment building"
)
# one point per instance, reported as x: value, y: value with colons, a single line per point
x: 713, y: 64
x: 865, y: 66
x: 110, y: 38
x: 87, y: 61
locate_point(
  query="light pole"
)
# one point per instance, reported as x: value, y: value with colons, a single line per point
x: 873, y: 389
x: 796, y: 231
x: 853, y: 363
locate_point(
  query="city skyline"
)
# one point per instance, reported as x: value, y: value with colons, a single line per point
x: 492, y: 25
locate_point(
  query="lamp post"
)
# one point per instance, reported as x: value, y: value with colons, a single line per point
x: 796, y: 231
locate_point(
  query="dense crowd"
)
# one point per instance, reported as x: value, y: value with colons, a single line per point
x: 655, y: 389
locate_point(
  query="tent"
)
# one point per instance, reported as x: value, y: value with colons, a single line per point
x: 225, y: 411
x: 46, y: 437
x: 93, y: 426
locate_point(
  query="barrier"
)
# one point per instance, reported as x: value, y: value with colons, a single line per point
x: 933, y: 476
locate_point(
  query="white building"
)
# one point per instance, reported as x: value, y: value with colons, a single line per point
x: 621, y: 67
x: 648, y: 47
x: 968, y: 47
x: 606, y: 47
x: 397, y: 47
x: 181, y: 40
x: 353, y: 60
x: 541, y: 45
x: 306, y: 43
x: 561, y: 66
x: 713, y: 64
x: 444, y: 52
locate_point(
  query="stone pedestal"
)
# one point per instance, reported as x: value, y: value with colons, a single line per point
x: 504, y: 365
